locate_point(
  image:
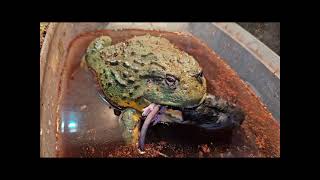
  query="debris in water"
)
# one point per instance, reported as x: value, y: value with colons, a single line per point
x: 161, y: 154
x: 83, y: 107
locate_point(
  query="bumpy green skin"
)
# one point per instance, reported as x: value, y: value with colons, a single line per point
x: 134, y: 73
x: 148, y: 69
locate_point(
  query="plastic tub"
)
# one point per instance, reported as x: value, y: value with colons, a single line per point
x: 251, y: 73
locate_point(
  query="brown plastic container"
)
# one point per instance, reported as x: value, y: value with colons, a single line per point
x: 238, y: 68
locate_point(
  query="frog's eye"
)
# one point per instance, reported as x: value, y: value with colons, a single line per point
x: 171, y: 81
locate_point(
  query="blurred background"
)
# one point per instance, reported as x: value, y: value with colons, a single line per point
x: 268, y: 33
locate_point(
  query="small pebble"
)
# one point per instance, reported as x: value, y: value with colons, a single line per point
x: 83, y: 107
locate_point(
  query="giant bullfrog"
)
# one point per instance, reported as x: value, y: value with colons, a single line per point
x: 147, y: 79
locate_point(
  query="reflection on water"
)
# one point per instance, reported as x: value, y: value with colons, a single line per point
x: 72, y: 119
x: 86, y: 120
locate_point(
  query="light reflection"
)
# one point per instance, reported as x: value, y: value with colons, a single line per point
x: 72, y: 125
x: 62, y: 126
x: 71, y: 120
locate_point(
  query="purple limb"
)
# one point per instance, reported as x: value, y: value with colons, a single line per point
x: 148, y: 109
x: 145, y: 126
x: 158, y: 116
x: 156, y: 119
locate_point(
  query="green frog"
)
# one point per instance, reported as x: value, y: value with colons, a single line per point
x: 148, y: 80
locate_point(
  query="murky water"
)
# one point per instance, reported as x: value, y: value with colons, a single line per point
x: 89, y: 128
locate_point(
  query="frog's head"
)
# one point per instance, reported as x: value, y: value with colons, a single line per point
x: 163, y: 74
x: 178, y: 84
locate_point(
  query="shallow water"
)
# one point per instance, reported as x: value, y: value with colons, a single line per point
x: 89, y: 128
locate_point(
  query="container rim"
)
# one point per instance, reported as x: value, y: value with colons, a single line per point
x: 261, y: 52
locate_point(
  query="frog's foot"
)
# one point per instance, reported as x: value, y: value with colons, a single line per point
x: 129, y: 122
x: 153, y: 114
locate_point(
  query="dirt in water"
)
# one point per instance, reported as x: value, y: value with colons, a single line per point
x: 89, y: 128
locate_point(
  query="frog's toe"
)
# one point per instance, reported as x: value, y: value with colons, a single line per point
x: 129, y: 123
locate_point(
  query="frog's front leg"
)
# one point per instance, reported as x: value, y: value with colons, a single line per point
x: 129, y: 122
